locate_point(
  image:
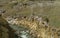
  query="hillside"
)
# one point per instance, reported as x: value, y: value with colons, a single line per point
x: 21, y: 8
x: 30, y: 18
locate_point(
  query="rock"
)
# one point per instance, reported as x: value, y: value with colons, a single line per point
x: 2, y: 11
x: 13, y: 2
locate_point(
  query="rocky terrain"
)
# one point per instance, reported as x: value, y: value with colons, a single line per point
x: 19, y: 8
x: 34, y: 27
x: 32, y: 18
